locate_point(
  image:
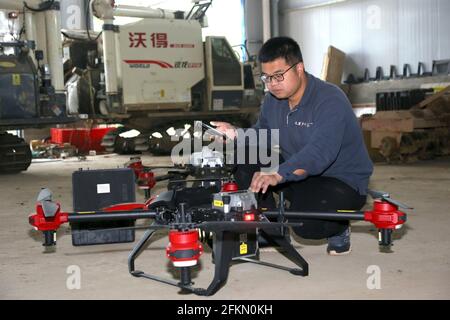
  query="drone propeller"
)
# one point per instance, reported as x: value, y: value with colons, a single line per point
x: 45, y: 195
x: 170, y: 175
x: 199, y: 180
x: 48, y: 206
x: 164, y: 167
x: 136, y: 162
x: 386, y: 197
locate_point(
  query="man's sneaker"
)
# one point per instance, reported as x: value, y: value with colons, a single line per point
x: 340, y: 244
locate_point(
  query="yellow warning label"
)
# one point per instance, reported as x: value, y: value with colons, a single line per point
x: 243, y: 249
x: 7, y: 64
x: 86, y: 212
x: 348, y: 211
x: 218, y: 203
x: 16, y: 79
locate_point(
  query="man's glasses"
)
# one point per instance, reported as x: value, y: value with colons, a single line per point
x: 278, y: 77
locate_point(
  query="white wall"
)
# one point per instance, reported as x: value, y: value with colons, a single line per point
x: 372, y: 32
x: 253, y: 25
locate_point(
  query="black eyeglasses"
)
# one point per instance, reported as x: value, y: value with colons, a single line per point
x: 278, y: 77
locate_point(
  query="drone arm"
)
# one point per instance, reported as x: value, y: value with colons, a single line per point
x: 97, y: 216
x: 50, y: 224
x: 385, y: 216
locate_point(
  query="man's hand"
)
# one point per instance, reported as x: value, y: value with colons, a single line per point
x: 262, y: 181
x: 225, y: 128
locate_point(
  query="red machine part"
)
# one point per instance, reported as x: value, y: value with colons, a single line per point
x: 230, y: 187
x: 150, y: 201
x: 184, y: 249
x: 126, y: 207
x: 43, y: 223
x: 84, y: 139
x: 146, y: 180
x: 385, y: 215
x: 137, y: 167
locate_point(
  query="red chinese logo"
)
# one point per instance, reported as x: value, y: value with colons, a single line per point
x: 137, y: 39
x: 159, y: 40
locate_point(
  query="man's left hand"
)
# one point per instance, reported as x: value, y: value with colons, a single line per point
x: 262, y: 180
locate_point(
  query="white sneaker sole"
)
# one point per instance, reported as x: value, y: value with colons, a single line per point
x: 334, y: 253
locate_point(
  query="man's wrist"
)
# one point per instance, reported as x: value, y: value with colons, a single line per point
x: 278, y: 177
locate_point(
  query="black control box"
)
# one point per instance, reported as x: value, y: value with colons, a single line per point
x: 95, y: 190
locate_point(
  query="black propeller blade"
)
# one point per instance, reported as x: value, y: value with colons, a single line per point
x: 200, y: 180
x: 386, y: 197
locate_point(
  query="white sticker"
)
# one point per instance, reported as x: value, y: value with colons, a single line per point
x: 103, y: 188
x: 249, y: 92
x: 217, y: 104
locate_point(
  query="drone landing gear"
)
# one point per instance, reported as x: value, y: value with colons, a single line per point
x: 288, y: 251
x: 184, y: 284
x: 223, y: 256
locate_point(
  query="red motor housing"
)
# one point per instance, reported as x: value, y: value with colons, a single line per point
x: 230, y: 187
x: 385, y: 215
x: 42, y: 223
x: 146, y: 180
x: 184, y: 249
x: 137, y: 167
x: 48, y: 225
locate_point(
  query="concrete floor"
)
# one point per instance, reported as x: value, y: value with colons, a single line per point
x: 418, y: 267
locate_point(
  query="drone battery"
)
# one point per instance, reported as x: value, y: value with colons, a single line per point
x: 97, y: 189
x: 245, y: 245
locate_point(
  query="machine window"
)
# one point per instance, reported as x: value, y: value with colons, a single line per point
x: 226, y: 67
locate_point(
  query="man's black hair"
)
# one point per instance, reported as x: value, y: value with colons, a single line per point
x: 280, y: 47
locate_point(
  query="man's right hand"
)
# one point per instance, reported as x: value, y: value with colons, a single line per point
x: 225, y: 128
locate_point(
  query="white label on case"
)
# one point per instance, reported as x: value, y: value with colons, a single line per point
x: 103, y: 188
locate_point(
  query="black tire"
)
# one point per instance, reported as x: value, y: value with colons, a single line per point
x: 114, y: 143
x: 15, y: 154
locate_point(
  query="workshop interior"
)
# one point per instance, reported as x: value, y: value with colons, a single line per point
x: 116, y: 181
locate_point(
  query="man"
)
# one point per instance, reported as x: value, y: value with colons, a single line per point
x: 326, y: 165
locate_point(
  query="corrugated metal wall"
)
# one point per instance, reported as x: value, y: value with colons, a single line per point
x: 371, y: 32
